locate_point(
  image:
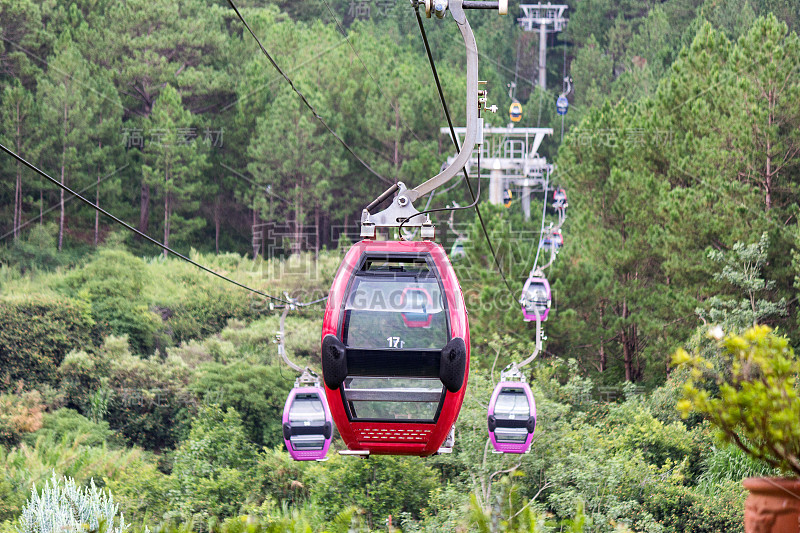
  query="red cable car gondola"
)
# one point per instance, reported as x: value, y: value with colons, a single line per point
x: 395, y: 348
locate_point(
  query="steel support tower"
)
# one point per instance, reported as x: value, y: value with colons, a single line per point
x: 544, y: 18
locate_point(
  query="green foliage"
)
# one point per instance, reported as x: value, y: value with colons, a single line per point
x: 678, y: 508
x: 207, y: 311
x: 741, y: 269
x: 382, y: 486
x: 728, y: 463
x: 20, y: 413
x: 112, y: 282
x: 213, y: 467
x: 144, y: 399
x: 68, y: 425
x: 36, y: 332
x: 256, y: 392
x: 757, y: 407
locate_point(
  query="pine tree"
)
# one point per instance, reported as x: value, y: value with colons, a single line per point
x: 70, y: 110
x: 174, y: 164
x: 18, y: 116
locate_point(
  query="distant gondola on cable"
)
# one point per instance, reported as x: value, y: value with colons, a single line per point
x: 552, y: 240
x: 562, y: 105
x: 395, y: 348
x: 457, y: 250
x: 515, y: 111
x: 512, y: 417
x: 307, y: 424
x: 508, y: 196
x: 560, y: 198
x: 536, y: 299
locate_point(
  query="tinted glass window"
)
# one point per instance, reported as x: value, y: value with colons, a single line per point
x: 306, y: 407
x: 393, y: 398
x: 399, y: 313
x: 536, y: 297
x: 512, y: 404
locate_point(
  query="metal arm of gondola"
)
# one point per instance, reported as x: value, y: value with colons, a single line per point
x: 536, y: 349
x: 402, y: 208
x: 307, y: 375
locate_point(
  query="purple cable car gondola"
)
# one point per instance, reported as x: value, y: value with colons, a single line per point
x: 307, y: 424
x: 512, y: 417
x: 535, y: 299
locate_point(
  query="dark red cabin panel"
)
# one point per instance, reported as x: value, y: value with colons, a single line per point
x: 427, y: 360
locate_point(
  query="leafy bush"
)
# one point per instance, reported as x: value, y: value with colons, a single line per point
x: 63, y: 506
x: 19, y: 414
x: 679, y: 508
x: 385, y: 485
x: 206, y: 312
x: 758, y: 405
x: 36, y: 250
x: 727, y: 463
x: 257, y: 392
x: 213, y: 467
x: 68, y: 424
x: 112, y: 282
x: 144, y: 399
x: 36, y: 333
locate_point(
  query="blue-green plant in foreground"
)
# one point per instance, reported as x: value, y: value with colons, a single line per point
x: 64, y: 506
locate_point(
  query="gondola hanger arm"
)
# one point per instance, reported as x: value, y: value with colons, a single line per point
x: 402, y: 208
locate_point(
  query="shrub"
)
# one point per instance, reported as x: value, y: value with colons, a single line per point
x: 36, y: 250
x: 68, y: 424
x: 19, y: 414
x: 35, y: 335
x: 144, y: 399
x: 257, y: 392
x: 112, y: 282
x: 206, y: 312
x: 757, y: 407
x: 679, y: 508
x: 385, y: 485
x: 213, y: 467
x: 63, y: 506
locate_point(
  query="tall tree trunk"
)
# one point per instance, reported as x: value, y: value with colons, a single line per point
x: 97, y: 203
x: 626, y: 351
x: 18, y: 188
x: 166, y: 207
x: 298, y: 213
x: 255, y: 229
x: 602, y: 342
x: 768, y: 174
x: 217, y: 223
x: 41, y: 206
x: 316, y: 232
x: 63, y: 164
x: 144, y: 209
x: 396, y: 142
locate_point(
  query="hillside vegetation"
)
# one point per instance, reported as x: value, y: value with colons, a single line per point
x: 163, y: 383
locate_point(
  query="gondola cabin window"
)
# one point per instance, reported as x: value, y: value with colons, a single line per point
x: 395, y: 306
x: 307, y: 410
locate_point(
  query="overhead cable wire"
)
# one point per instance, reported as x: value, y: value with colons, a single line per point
x: 451, y: 209
x: 134, y: 230
x: 458, y: 149
x: 305, y: 100
x: 541, y: 229
x: 52, y: 207
x: 367, y: 70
